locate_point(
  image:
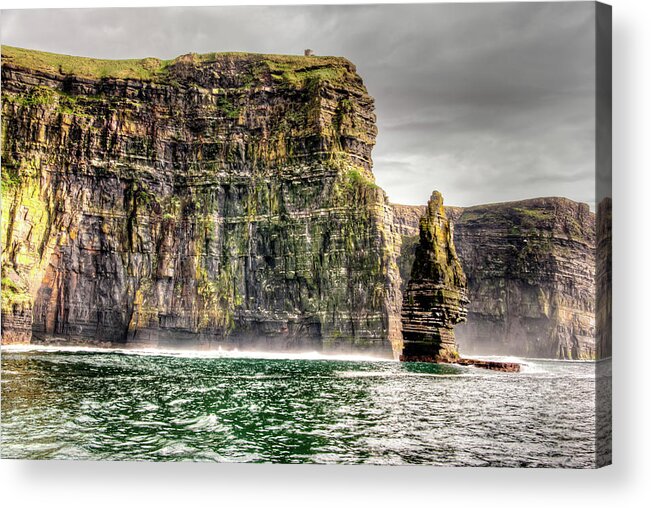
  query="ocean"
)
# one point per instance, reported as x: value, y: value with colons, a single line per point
x: 84, y: 403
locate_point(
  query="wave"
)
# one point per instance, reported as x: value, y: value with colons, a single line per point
x: 193, y: 353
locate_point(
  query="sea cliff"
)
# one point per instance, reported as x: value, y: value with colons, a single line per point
x: 211, y: 200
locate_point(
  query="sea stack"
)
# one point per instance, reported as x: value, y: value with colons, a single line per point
x: 435, y: 298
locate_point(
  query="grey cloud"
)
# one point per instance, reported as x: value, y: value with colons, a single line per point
x: 485, y: 102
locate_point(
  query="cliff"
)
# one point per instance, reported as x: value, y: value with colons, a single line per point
x: 219, y: 199
x: 406, y: 219
x: 530, y: 267
x: 435, y: 298
x: 604, y: 278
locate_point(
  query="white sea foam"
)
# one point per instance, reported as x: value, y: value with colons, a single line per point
x: 532, y: 368
x: 208, y: 422
x: 179, y: 402
x: 193, y: 353
x: 528, y: 365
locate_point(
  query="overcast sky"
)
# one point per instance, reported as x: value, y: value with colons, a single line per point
x: 484, y: 102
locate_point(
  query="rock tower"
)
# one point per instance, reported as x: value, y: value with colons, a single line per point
x: 435, y: 298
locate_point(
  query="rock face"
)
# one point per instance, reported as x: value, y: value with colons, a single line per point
x: 406, y: 223
x: 406, y: 219
x: 435, y: 298
x: 221, y: 199
x: 530, y: 267
x: 604, y: 278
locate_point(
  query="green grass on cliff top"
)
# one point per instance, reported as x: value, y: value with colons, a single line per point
x: 293, y: 69
x: 146, y: 68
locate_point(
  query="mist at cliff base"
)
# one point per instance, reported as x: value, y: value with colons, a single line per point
x: 196, y: 353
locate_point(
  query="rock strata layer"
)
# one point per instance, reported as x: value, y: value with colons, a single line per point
x: 530, y: 267
x: 435, y: 298
x: 209, y: 200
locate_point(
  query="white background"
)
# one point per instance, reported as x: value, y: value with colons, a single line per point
x: 626, y: 483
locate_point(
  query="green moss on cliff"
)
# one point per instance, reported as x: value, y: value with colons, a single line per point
x: 37, y: 96
x: 56, y: 100
x: 26, y: 222
x: 10, y: 178
x: 360, y: 180
x: 13, y: 294
x: 535, y: 213
x: 218, y: 299
x: 228, y: 107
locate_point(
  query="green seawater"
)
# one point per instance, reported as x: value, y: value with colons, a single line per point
x: 117, y: 405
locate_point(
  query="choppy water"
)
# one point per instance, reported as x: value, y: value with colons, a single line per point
x: 82, y: 404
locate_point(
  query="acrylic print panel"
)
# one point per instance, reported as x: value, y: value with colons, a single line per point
x: 390, y: 248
